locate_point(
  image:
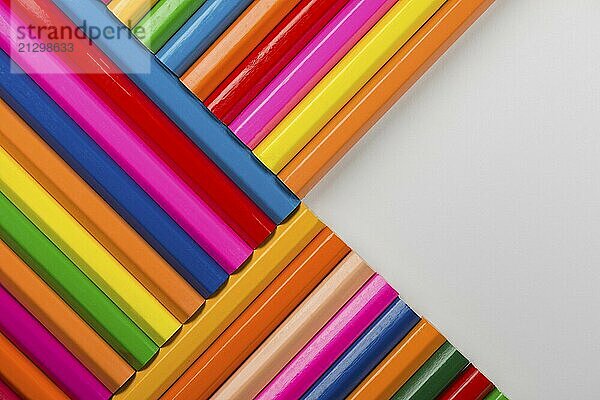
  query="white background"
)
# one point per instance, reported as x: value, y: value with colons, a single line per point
x: 478, y: 197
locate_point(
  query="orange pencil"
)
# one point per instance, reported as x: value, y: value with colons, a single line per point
x: 247, y: 332
x: 83, y: 203
x: 60, y: 320
x: 23, y: 377
x: 383, y: 90
x: 297, y: 330
x: 234, y: 45
x: 403, y: 361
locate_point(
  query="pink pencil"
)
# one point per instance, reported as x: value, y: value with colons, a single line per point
x: 331, y: 342
x: 47, y: 353
x: 307, y: 69
x: 6, y: 393
x: 120, y: 142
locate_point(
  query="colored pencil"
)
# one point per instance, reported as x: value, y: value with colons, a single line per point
x: 74, y: 287
x: 83, y: 203
x: 62, y: 322
x: 89, y: 255
x: 297, y: 330
x: 290, y: 86
x: 6, y: 393
x: 163, y: 20
x: 116, y: 138
x: 331, y: 342
x: 436, y: 374
x: 263, y: 64
x: 130, y: 12
x: 153, y: 127
x: 199, y: 33
x: 24, y: 378
x: 106, y: 178
x: 469, y: 385
x: 364, y: 355
x: 496, y: 395
x: 22, y: 329
x: 217, y: 142
x: 257, y: 322
x: 230, y: 49
x: 400, y: 364
x: 344, y: 81
x: 380, y: 93
x: 219, y: 312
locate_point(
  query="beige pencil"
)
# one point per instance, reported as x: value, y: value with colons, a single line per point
x: 297, y: 330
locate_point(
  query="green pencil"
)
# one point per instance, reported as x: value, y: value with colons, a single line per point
x: 163, y: 20
x: 29, y: 243
x: 433, y: 376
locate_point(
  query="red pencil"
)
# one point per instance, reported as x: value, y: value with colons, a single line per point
x: 153, y: 126
x: 271, y: 56
x: 469, y: 385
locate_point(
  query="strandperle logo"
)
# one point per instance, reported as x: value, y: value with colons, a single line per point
x: 37, y: 42
x: 84, y: 31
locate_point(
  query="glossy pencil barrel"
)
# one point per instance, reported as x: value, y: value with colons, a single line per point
x: 30, y: 244
x: 96, y: 216
x: 331, y: 342
x: 436, y: 374
x: 297, y: 330
x: 471, y: 384
x: 219, y: 312
x: 153, y: 127
x: 83, y: 155
x: 164, y: 20
x: 267, y: 60
x: 116, y: 138
x: 394, y: 79
x: 30, y: 336
x: 344, y: 81
x: 60, y: 320
x: 130, y: 12
x: 187, y: 112
x: 228, y: 51
x: 199, y: 33
x: 400, y: 364
x: 23, y: 377
x: 364, y: 355
x: 85, y: 252
x: 255, y: 324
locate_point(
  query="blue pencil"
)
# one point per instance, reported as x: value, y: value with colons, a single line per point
x: 365, y: 354
x: 192, y: 117
x: 199, y: 33
x: 23, y: 95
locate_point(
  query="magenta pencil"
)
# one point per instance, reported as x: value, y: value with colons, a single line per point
x: 6, y: 393
x: 118, y: 140
x: 306, y: 69
x: 26, y: 333
x: 331, y: 342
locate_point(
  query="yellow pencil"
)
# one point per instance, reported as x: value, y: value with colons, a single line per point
x: 344, y: 81
x: 130, y: 12
x: 89, y: 255
x: 219, y: 312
